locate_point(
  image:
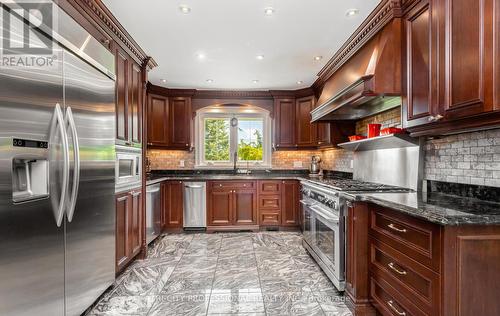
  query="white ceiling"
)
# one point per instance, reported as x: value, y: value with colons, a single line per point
x: 231, y: 33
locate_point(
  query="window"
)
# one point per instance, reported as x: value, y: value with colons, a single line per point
x: 229, y: 133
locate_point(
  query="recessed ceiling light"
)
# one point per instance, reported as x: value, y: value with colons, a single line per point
x: 351, y: 12
x: 259, y: 57
x: 185, y: 9
x: 300, y: 82
x: 269, y: 11
x: 318, y: 58
x: 255, y: 81
x: 163, y: 80
x: 201, y: 56
x: 210, y: 80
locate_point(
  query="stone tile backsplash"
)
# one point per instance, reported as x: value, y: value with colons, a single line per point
x: 470, y: 158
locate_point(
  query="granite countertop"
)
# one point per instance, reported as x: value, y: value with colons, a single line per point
x: 439, y: 208
x: 208, y: 177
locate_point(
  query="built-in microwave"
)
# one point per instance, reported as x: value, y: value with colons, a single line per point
x: 128, y: 167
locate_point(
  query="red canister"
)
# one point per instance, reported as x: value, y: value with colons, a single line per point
x: 374, y: 130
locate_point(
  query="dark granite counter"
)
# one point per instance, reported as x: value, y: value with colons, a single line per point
x: 228, y: 175
x: 439, y: 208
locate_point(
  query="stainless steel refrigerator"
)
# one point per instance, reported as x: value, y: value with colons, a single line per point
x: 57, y: 175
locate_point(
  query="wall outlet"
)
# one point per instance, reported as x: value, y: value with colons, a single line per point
x: 297, y: 164
x: 182, y: 163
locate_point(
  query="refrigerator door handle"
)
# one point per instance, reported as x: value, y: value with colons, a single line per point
x: 76, y: 172
x: 57, y: 125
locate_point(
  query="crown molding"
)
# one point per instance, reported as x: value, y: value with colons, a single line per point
x: 232, y: 94
x: 100, y: 14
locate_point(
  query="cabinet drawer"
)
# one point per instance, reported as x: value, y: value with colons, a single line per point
x: 415, y: 238
x: 269, y: 187
x: 270, y: 218
x: 269, y: 202
x: 388, y: 301
x: 408, y: 277
x: 233, y: 184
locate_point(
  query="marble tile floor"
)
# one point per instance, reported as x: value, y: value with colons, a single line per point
x: 265, y: 273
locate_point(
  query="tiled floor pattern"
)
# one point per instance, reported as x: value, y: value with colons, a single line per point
x: 267, y: 273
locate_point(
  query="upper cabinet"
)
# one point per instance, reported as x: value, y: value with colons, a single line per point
x: 169, y: 122
x: 305, y: 131
x: 180, y: 122
x: 129, y: 95
x: 285, y: 126
x: 452, y: 76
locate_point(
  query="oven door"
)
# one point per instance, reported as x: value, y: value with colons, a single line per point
x: 329, y: 240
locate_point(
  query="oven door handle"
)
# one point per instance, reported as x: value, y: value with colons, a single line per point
x: 303, y: 202
x: 332, y: 220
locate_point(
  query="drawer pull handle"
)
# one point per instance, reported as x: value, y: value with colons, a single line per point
x: 393, y: 267
x: 401, y: 230
x: 391, y: 305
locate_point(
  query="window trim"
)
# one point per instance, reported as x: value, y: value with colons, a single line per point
x: 230, y: 112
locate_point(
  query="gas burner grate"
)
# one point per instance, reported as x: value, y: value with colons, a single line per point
x: 355, y: 185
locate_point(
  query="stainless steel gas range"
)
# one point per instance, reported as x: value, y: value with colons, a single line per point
x: 324, y: 211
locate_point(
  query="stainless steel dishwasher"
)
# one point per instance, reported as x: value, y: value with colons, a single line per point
x: 153, y: 212
x: 195, y: 210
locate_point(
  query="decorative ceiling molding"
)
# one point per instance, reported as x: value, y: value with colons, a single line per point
x: 101, y: 14
x: 232, y: 94
x: 380, y: 17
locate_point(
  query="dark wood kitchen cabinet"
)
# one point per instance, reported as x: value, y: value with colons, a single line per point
x: 404, y: 265
x: 180, y: 123
x: 158, y: 114
x: 129, y: 228
x: 420, y: 64
x: 285, y: 126
x: 129, y: 95
x: 450, y: 70
x: 231, y: 205
x: 172, y: 205
x: 306, y: 132
x: 290, y: 190
x: 169, y: 122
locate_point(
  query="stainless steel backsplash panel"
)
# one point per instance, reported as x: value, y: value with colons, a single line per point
x: 395, y: 166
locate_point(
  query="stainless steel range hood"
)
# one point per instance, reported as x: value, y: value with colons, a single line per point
x: 367, y: 84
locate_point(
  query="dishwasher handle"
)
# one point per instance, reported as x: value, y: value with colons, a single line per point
x: 152, y: 190
x: 194, y: 186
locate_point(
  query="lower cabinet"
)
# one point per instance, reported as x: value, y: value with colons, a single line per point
x: 172, y: 204
x: 278, y: 202
x: 398, y: 264
x: 129, y: 228
x: 231, y: 204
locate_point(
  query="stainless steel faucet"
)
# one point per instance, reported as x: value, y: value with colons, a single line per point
x: 235, y: 157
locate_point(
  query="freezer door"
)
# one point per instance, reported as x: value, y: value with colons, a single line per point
x: 90, y: 227
x: 31, y: 243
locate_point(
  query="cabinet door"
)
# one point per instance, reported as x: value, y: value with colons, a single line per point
x: 135, y: 223
x: 323, y: 136
x: 244, y: 207
x: 285, y: 123
x: 420, y: 66
x: 122, y: 69
x: 135, y: 103
x: 306, y: 132
x: 122, y: 244
x: 219, y: 206
x: 173, y: 204
x: 157, y: 116
x: 290, y: 203
x: 180, y: 123
x: 470, y: 32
